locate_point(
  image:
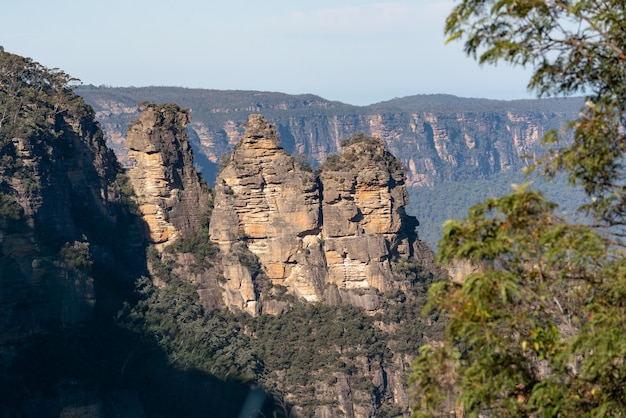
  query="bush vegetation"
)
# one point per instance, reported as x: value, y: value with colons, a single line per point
x: 77, y: 255
x: 307, y: 344
x: 9, y: 208
x: 535, y: 329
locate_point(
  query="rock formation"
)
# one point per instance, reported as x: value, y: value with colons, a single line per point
x: 166, y: 184
x: 365, y: 223
x: 60, y: 198
x: 270, y: 202
x: 329, y: 237
x: 64, y: 230
x: 85, y: 331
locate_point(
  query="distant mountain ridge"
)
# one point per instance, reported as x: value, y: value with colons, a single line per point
x: 437, y: 137
x: 452, y: 103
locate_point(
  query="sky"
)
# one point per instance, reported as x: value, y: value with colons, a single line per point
x: 354, y: 51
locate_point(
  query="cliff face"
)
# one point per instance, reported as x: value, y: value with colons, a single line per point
x: 328, y: 237
x: 267, y: 202
x: 65, y: 230
x: 167, y: 186
x: 363, y: 202
x: 437, y: 138
x: 61, y: 208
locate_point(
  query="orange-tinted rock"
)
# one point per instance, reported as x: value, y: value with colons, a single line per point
x: 168, y: 188
x: 310, y: 233
x: 269, y: 200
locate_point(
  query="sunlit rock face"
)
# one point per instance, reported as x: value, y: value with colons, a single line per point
x: 167, y: 187
x: 363, y: 203
x: 269, y: 201
x: 328, y: 236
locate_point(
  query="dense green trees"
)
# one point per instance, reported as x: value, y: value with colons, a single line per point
x: 288, y: 355
x: 536, y: 329
x: 33, y: 102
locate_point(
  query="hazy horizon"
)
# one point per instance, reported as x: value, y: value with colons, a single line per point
x: 353, y: 51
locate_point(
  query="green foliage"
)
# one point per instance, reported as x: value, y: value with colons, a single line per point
x: 193, y: 338
x: 533, y: 330
x: 43, y: 122
x: 334, y: 163
x: 172, y: 116
x: 363, y: 148
x: 162, y: 265
x: 360, y: 138
x: 9, y: 208
x: 128, y: 194
x: 77, y: 255
x: 33, y: 97
x: 405, y: 308
x: 199, y: 244
x: 572, y: 47
x: 370, y: 149
x: 196, y: 243
x: 516, y: 326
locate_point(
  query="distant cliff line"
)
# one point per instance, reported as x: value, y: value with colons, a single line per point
x: 437, y: 137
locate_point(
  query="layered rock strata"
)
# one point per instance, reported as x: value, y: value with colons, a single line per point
x: 268, y: 203
x: 363, y: 202
x: 167, y: 186
x: 437, y: 137
x: 326, y: 237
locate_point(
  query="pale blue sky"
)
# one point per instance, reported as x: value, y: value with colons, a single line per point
x: 355, y: 51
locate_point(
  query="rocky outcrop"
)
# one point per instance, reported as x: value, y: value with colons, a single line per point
x: 167, y: 186
x: 65, y: 231
x: 61, y: 210
x: 363, y: 204
x: 268, y: 201
x: 327, y: 237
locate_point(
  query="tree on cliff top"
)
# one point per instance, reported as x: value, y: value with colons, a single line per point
x: 536, y: 329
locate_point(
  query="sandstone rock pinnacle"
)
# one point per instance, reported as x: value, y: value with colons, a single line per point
x: 324, y: 237
x: 167, y: 186
x: 363, y: 210
x: 266, y: 199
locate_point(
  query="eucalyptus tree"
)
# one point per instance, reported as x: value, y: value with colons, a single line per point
x: 537, y: 328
